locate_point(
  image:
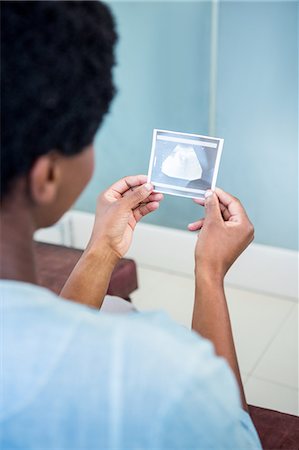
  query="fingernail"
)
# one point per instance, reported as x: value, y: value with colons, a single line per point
x: 208, y: 193
x: 148, y: 186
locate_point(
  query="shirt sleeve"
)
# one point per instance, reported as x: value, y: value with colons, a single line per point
x: 204, y: 408
x: 207, y: 415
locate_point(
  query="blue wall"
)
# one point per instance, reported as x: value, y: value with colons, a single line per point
x: 163, y: 78
x: 257, y: 114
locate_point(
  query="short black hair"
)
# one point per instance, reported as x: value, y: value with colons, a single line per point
x: 56, y: 79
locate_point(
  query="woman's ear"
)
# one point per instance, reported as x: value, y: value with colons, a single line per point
x: 44, y: 179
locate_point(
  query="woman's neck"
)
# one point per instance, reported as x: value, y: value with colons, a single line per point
x: 16, y: 243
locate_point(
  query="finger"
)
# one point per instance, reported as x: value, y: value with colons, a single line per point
x: 199, y: 201
x: 145, y: 209
x: 139, y: 195
x: 195, y: 226
x: 155, y: 197
x: 232, y: 204
x: 126, y: 183
x: 224, y: 210
x: 212, y: 207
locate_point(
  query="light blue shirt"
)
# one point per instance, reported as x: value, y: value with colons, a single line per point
x: 76, y: 378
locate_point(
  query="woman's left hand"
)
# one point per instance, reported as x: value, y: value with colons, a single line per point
x: 119, y: 209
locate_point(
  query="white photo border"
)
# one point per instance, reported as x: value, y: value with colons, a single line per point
x: 200, y: 192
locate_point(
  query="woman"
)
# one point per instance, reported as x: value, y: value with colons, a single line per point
x: 74, y: 376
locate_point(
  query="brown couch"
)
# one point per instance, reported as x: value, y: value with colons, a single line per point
x: 277, y: 431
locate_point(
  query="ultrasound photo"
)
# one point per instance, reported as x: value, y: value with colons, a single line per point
x: 184, y: 164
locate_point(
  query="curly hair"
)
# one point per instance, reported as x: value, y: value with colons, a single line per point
x: 56, y: 79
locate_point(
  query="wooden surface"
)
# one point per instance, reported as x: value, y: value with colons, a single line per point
x: 277, y: 431
x: 55, y: 263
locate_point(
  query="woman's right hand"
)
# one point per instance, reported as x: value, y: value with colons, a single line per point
x: 225, y: 232
x: 119, y: 209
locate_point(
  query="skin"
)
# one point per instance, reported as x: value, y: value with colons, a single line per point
x: 53, y: 184
x: 35, y: 201
x: 225, y: 232
x: 119, y: 209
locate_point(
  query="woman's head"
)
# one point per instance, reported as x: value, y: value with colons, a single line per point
x: 56, y: 87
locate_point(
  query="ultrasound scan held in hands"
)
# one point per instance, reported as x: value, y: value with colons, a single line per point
x: 184, y: 164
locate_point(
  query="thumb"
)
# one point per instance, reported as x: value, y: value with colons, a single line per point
x: 138, y: 195
x: 212, y: 206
